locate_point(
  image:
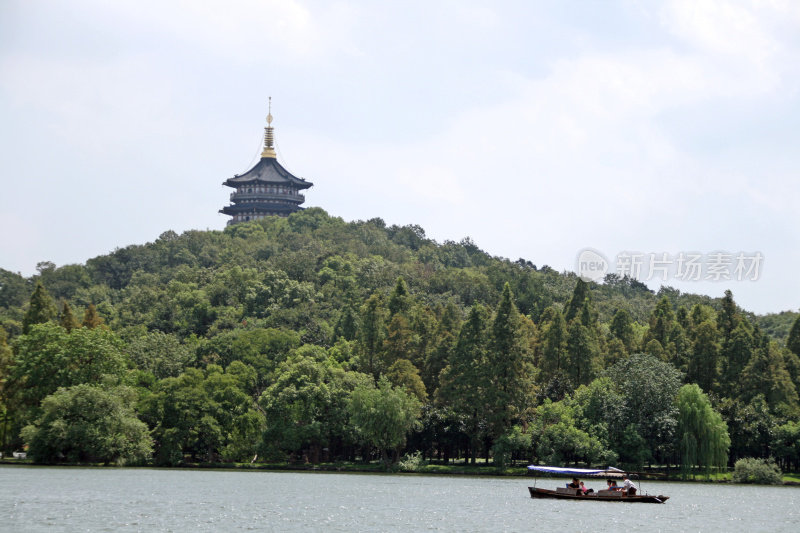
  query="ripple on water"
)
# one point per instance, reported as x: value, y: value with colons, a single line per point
x: 70, y: 499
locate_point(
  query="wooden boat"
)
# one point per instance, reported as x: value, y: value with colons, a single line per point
x: 563, y: 493
x: 566, y: 493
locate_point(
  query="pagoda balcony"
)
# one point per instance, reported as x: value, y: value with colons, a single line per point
x: 244, y: 196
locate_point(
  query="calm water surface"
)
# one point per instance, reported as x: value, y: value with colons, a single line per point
x: 138, y: 499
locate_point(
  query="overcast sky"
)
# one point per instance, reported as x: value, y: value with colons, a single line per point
x: 538, y: 129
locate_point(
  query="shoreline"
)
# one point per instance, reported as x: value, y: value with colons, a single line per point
x: 372, y: 468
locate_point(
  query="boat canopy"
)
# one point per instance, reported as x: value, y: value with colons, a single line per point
x: 581, y: 472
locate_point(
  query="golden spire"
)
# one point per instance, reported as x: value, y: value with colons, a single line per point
x: 268, y: 151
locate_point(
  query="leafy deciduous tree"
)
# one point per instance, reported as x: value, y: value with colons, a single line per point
x: 382, y: 416
x: 88, y: 424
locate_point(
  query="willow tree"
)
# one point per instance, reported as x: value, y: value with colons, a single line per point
x: 382, y: 416
x: 703, y: 438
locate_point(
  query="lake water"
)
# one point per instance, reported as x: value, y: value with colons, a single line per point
x: 139, y: 499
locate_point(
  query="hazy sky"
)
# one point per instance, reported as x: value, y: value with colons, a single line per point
x: 538, y: 129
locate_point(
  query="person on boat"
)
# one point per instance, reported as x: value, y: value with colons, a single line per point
x: 585, y: 490
x: 612, y: 485
x: 575, y: 484
x: 628, y: 486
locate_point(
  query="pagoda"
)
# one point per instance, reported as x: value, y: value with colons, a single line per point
x: 267, y: 189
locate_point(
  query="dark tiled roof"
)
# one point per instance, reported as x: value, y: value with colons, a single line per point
x: 268, y: 170
x: 259, y: 207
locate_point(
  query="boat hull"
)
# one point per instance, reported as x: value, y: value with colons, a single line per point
x: 552, y: 494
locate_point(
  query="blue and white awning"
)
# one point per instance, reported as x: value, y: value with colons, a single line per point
x: 580, y: 472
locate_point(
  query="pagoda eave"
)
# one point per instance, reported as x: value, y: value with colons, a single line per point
x: 259, y: 208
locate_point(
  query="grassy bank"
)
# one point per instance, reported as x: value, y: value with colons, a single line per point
x: 460, y: 469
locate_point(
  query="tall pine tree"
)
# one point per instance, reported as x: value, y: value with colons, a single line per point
x: 793, y: 340
x: 510, y: 362
x: 622, y: 329
x: 91, y: 319
x: 371, y: 332
x: 444, y: 341
x: 464, y: 382
x: 766, y: 374
x: 67, y: 319
x: 41, y: 309
x: 662, y: 320
x: 399, y: 300
x: 582, y: 353
x: 703, y: 364
x: 575, y: 303
x: 553, y: 345
x: 728, y: 317
x: 737, y: 350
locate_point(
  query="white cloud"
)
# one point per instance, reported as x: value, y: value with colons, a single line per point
x: 722, y: 27
x: 246, y: 31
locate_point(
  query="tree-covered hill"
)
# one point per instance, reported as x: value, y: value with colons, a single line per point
x: 276, y: 339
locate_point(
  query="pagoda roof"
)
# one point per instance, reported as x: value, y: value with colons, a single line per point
x: 260, y: 207
x: 268, y: 170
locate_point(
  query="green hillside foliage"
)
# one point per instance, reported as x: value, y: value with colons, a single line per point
x: 777, y: 325
x: 309, y: 339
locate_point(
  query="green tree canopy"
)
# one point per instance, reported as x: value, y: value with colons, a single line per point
x: 510, y: 366
x: 206, y: 415
x: 41, y: 308
x: 465, y: 380
x: 88, y: 424
x: 160, y: 353
x: 91, y: 319
x: 306, y: 407
x: 622, y: 329
x: 704, y: 361
x: 371, y: 333
x: 648, y: 387
x: 579, y: 294
x: 404, y: 374
x: 793, y: 340
x: 48, y: 357
x: 67, y: 319
x: 382, y: 416
x: 553, y: 358
x: 702, y: 434
x: 557, y: 439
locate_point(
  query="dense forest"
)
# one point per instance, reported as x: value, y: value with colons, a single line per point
x: 312, y: 339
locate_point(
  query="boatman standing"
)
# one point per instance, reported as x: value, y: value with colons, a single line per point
x: 628, y: 486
